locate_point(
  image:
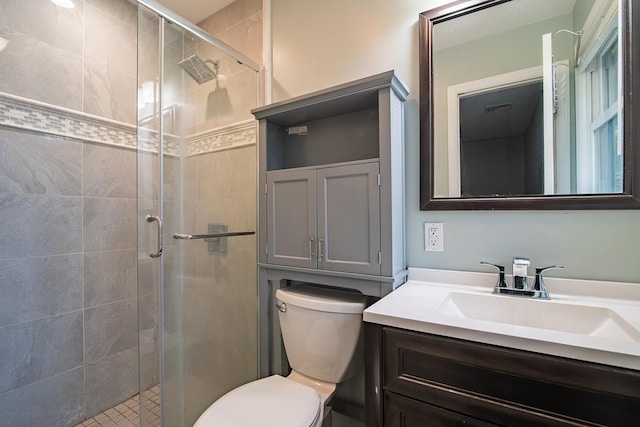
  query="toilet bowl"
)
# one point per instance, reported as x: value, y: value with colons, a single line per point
x: 272, y: 401
x: 322, y: 335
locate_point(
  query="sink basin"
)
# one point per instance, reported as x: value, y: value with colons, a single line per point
x: 550, y: 315
x: 586, y: 320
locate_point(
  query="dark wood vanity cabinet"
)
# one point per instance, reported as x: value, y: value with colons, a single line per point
x: 416, y: 379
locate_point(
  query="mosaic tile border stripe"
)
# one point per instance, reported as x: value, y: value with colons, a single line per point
x: 224, y: 138
x: 26, y: 114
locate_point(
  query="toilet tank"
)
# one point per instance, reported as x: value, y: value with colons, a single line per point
x: 322, y: 330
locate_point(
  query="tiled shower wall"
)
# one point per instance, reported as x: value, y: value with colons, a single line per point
x: 83, y: 59
x: 218, y: 296
x: 68, y: 308
x: 68, y: 305
x: 67, y: 277
x: 239, y: 25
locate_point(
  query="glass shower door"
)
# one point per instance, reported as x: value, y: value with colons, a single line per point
x: 196, y: 178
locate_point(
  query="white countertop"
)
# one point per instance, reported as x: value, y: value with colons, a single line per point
x: 423, y: 304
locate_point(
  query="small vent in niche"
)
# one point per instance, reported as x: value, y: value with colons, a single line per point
x: 497, y: 107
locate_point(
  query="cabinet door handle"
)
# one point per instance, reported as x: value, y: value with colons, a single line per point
x: 320, y: 254
x: 310, y: 248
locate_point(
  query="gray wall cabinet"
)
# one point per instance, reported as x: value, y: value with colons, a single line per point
x: 331, y: 212
x: 292, y: 218
x: 325, y: 218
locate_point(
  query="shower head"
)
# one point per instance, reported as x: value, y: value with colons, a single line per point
x: 198, y: 69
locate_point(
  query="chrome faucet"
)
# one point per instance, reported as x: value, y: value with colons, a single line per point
x: 520, y: 287
x: 520, y: 272
x: 502, y: 283
x: 539, y: 286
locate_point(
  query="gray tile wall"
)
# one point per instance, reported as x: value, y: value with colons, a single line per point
x: 82, y: 58
x: 68, y: 295
x: 68, y: 298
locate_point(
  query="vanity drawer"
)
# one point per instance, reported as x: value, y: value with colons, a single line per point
x: 406, y: 412
x: 498, y: 384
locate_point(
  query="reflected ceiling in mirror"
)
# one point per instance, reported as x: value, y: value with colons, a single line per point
x: 524, y: 100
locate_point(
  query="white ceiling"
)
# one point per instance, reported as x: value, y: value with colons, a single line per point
x: 195, y: 10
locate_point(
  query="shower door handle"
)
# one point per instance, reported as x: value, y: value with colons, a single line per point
x: 152, y: 218
x: 181, y: 236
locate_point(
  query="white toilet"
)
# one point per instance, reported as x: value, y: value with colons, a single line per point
x: 322, y: 334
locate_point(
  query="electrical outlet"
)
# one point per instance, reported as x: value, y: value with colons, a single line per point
x: 433, y: 237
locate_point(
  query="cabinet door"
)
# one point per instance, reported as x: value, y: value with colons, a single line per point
x: 349, y: 218
x: 291, y: 218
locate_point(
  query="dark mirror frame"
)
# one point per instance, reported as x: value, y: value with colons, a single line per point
x: 628, y: 199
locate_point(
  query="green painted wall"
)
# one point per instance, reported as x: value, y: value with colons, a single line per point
x: 317, y: 44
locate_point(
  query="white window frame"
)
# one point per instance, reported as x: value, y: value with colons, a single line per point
x: 589, y: 121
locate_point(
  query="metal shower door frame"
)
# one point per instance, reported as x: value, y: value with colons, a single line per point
x: 166, y: 13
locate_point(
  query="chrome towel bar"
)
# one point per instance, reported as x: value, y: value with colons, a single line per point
x: 181, y: 236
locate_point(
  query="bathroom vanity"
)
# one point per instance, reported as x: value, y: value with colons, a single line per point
x: 433, y: 360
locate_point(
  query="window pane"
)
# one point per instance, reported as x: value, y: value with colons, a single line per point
x: 608, y: 161
x: 610, y: 75
x: 595, y: 109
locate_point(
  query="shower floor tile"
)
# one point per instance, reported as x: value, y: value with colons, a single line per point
x: 127, y: 414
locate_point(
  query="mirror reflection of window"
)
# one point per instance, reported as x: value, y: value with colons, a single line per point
x: 599, y: 145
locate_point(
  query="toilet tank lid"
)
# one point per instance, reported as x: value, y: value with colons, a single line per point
x: 323, y: 299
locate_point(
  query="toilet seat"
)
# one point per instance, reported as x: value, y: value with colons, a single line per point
x: 268, y: 402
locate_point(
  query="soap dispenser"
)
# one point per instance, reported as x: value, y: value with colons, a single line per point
x: 520, y: 271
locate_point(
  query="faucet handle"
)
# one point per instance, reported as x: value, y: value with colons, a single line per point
x: 502, y: 283
x: 539, y: 284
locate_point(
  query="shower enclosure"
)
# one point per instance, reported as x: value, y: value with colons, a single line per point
x: 197, y: 114
x: 101, y: 128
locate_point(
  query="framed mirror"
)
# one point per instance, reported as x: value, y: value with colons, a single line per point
x: 530, y: 105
